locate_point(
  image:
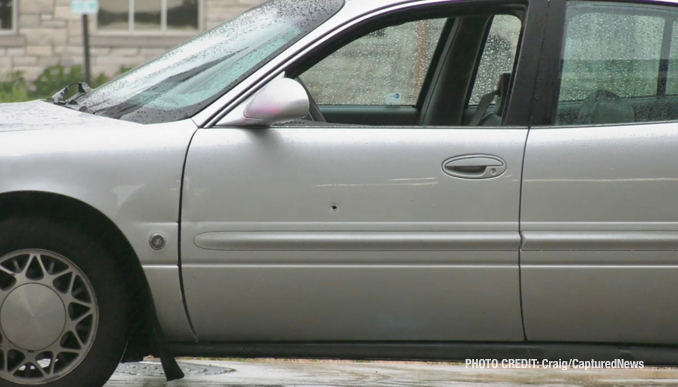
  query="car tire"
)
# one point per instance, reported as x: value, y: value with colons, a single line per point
x: 63, y: 306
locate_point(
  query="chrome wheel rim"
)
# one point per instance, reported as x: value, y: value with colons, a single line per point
x: 48, y: 317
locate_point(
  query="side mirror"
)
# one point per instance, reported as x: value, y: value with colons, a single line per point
x: 282, y: 100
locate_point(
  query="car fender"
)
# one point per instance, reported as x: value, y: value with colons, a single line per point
x: 129, y: 172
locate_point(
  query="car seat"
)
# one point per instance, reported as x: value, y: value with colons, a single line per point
x: 481, y: 116
x: 605, y: 107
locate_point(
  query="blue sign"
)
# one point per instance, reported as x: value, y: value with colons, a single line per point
x: 85, y: 7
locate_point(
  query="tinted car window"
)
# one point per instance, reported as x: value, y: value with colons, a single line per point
x: 615, y: 62
x: 184, y: 81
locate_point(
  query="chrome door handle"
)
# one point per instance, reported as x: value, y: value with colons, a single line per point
x: 475, y: 167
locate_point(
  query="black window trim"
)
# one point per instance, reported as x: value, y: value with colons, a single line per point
x: 547, y: 64
x: 521, y: 17
x: 664, y: 56
x: 449, y: 27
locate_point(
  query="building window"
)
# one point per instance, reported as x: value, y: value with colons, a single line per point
x: 7, y: 15
x: 148, y: 15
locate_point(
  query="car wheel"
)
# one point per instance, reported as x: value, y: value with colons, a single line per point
x: 63, y: 306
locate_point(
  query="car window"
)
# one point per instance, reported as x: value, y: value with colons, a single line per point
x: 616, y: 64
x: 498, y: 55
x: 387, y: 67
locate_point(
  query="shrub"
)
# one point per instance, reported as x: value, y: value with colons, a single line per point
x: 57, y: 77
x: 14, y: 94
x: 14, y: 88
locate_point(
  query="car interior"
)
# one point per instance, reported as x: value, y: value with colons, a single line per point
x: 617, y: 84
x: 445, y: 95
x: 605, y: 107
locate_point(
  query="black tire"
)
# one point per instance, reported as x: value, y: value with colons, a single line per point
x: 108, y: 336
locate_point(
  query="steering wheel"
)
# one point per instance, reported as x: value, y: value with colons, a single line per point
x: 314, y: 113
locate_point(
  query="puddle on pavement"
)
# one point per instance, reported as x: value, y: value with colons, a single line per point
x: 154, y: 369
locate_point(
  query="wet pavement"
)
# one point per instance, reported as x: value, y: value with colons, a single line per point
x: 378, y: 374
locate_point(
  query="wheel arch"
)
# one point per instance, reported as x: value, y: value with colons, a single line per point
x: 142, y: 319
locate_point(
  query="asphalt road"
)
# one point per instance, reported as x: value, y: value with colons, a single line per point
x: 378, y: 374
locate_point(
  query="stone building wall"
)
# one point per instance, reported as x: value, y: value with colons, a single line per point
x: 47, y: 33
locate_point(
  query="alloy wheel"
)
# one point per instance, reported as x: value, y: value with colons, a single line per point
x: 48, y: 317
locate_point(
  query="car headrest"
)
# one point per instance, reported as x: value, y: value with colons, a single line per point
x: 605, y: 107
x: 503, y: 91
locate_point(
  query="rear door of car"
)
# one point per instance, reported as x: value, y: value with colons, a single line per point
x: 348, y: 231
x: 599, y: 217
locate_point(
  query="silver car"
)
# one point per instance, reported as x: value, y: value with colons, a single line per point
x: 418, y: 179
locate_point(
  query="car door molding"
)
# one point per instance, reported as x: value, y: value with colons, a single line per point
x: 358, y: 241
x: 597, y: 241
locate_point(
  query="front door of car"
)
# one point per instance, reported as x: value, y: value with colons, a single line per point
x: 599, y: 214
x: 389, y: 222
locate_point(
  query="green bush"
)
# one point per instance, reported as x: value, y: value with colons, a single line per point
x: 57, y: 77
x: 124, y: 69
x: 14, y: 88
x: 14, y: 94
x: 99, y: 80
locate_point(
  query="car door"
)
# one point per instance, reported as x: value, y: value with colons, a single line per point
x: 347, y: 231
x: 599, y: 214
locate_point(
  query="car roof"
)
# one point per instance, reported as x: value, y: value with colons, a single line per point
x: 381, y: 3
x: 354, y: 8
x: 357, y: 7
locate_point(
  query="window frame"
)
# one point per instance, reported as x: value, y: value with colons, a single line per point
x: 544, y: 114
x: 288, y: 63
x: 15, y: 19
x: 163, y: 23
x: 527, y: 12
